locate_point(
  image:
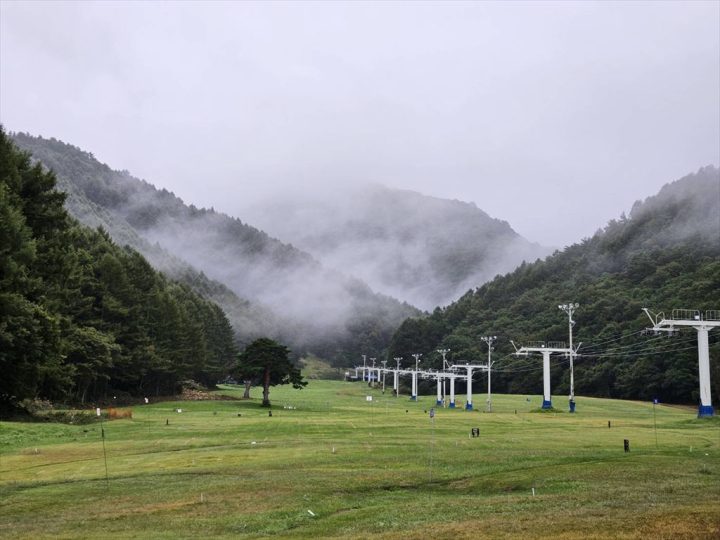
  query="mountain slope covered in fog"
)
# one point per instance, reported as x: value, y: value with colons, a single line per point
x: 424, y: 250
x: 291, y: 295
x: 664, y: 256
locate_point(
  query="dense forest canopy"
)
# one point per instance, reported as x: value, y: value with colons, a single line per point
x: 664, y: 255
x: 80, y: 317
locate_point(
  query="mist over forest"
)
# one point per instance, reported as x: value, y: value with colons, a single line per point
x: 280, y: 290
x: 423, y: 250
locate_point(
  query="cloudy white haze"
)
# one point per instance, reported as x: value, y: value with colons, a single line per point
x: 552, y: 116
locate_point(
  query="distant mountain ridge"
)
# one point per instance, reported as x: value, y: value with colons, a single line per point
x: 425, y: 250
x: 291, y: 295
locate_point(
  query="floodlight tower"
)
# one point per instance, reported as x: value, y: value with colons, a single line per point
x: 489, y: 340
x: 384, y: 363
x: 546, y: 349
x: 693, y: 318
x: 416, y: 356
x: 371, y: 372
x: 569, y: 308
x: 396, y: 385
x: 445, y: 365
x: 364, y: 365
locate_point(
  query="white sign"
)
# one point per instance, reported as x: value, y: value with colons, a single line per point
x: 368, y: 398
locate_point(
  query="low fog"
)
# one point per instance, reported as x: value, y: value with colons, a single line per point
x: 553, y: 116
x: 422, y: 250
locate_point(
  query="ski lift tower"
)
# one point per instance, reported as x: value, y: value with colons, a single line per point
x: 546, y: 349
x: 396, y: 384
x: 470, y: 368
x: 364, y: 365
x: 416, y: 356
x: 451, y: 375
x: 370, y: 377
x: 489, y: 340
x: 439, y: 376
x: 693, y: 318
x: 384, y: 371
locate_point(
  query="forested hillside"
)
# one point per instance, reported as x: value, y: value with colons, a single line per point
x: 266, y: 287
x: 82, y: 318
x: 664, y: 255
x: 424, y: 250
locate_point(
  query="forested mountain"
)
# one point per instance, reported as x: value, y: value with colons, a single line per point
x: 80, y: 317
x: 424, y: 250
x: 289, y: 294
x: 664, y: 255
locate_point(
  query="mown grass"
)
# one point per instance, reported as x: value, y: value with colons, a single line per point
x: 365, y: 469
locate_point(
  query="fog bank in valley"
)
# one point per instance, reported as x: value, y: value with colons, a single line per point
x: 423, y: 250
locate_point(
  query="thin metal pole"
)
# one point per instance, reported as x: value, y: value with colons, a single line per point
x: 102, y: 434
x: 655, y: 423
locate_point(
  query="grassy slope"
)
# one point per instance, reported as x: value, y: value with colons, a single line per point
x: 202, y: 475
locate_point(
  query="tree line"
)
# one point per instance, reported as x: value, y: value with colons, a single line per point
x: 82, y: 318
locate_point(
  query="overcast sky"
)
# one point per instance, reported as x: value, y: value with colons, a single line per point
x: 552, y: 116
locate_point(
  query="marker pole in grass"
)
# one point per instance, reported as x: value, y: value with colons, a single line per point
x: 655, y: 401
x: 102, y: 436
x: 432, y: 440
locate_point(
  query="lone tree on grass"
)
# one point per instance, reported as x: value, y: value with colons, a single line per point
x: 268, y: 361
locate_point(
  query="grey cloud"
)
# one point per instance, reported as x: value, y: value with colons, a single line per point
x: 554, y: 116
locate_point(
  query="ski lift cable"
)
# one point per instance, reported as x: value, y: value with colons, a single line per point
x: 646, y: 345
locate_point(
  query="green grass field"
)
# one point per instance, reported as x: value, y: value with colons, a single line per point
x: 339, y: 466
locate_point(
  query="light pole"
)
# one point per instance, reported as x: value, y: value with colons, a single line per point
x: 414, y: 379
x: 445, y: 366
x: 569, y: 308
x: 396, y: 385
x: 489, y: 340
x: 372, y: 370
x: 384, y: 363
x: 364, y: 366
